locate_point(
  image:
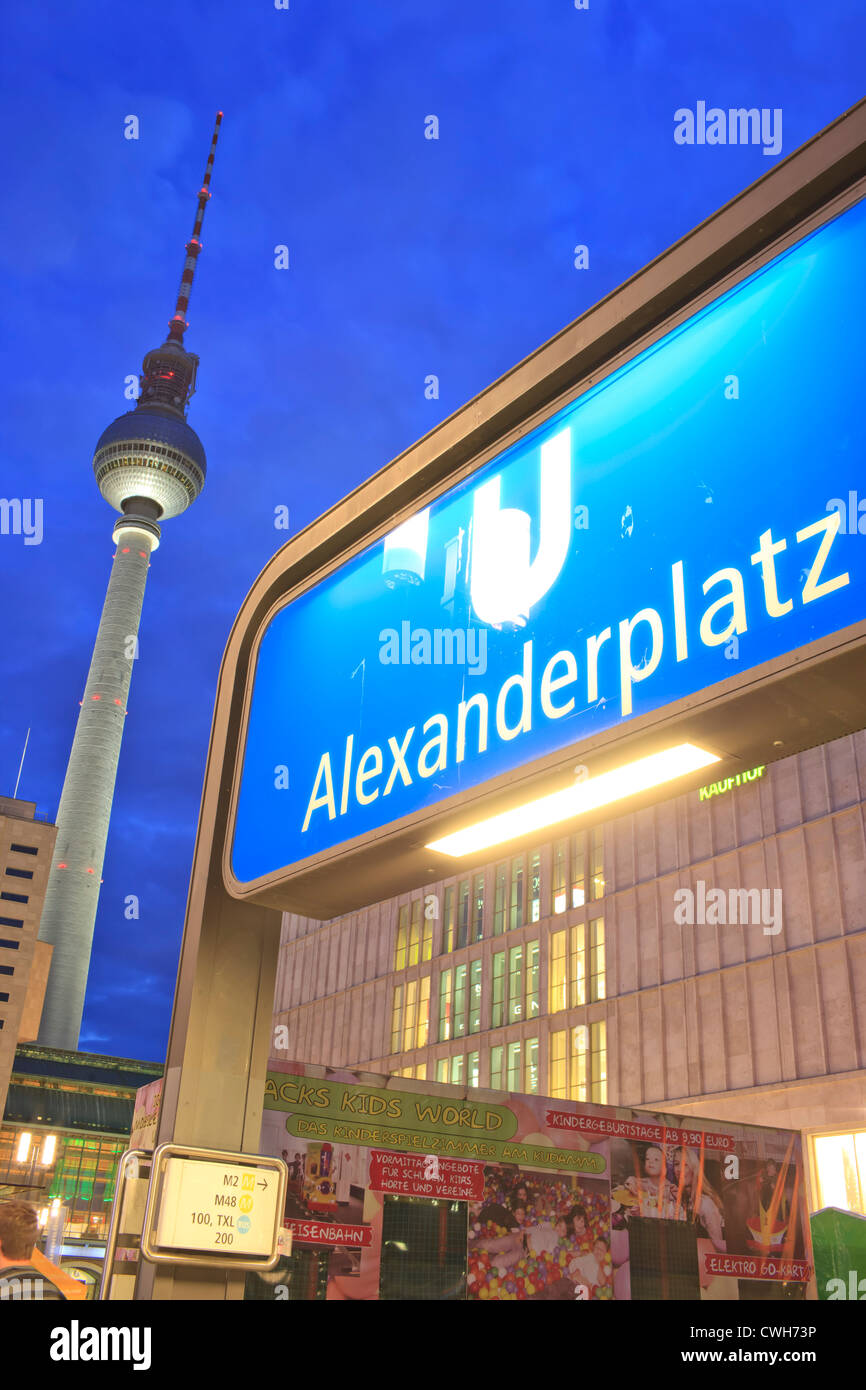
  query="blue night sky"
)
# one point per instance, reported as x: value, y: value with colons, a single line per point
x: 407, y: 257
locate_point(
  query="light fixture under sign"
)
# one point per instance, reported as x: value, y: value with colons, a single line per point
x: 588, y: 795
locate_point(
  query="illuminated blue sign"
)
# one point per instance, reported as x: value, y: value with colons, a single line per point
x: 684, y: 520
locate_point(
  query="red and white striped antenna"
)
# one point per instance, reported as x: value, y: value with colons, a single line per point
x: 177, y: 324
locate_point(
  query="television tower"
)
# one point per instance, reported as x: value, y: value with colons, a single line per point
x: 149, y: 465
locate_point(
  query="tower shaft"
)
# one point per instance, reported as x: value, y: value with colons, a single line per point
x: 69, y: 913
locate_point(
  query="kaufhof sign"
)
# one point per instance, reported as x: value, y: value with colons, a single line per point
x: 665, y: 530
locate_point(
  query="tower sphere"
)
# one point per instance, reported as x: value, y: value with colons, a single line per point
x: 146, y: 454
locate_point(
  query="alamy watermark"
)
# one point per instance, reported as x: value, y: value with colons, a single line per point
x: 736, y: 126
x: 729, y: 907
x: 441, y: 646
x: 22, y: 516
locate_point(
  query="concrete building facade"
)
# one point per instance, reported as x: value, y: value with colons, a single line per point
x: 571, y: 968
x: 26, y: 846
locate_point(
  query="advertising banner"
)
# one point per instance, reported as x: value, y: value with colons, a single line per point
x: 399, y: 1192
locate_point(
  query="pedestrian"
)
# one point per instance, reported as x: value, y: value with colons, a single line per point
x: 19, y: 1279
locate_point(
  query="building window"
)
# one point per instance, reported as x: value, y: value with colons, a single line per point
x: 577, y: 868
x: 596, y: 958
x: 9, y: 945
x: 497, y: 1009
x: 501, y: 879
x: 460, y: 1000
x: 530, y: 1066
x: 557, y: 1083
x: 513, y: 1079
x: 840, y: 1170
x: 533, y: 957
x: 448, y: 921
x: 568, y: 887
x: 515, y: 917
x: 475, y: 996
x: 14, y: 897
x: 410, y: 1016
x: 567, y: 988
x: 515, y: 985
x: 418, y: 1073
x: 423, y: 1031
x: 410, y: 1008
x: 570, y: 1076
x: 461, y: 1069
x: 396, y: 1019
x: 535, y: 888
x: 598, y: 1062
x: 478, y: 908
x: 596, y: 871
x: 11, y: 922
x: 20, y: 873
x: 7, y: 969
x: 497, y: 1068
x: 577, y: 969
x: 557, y: 988
x: 402, y: 938
x: 445, y: 1005
x: 559, y: 866
x: 426, y: 934
x: 463, y: 914
x: 24, y: 849
x: 415, y: 934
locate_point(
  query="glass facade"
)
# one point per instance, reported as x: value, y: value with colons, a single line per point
x: 561, y: 969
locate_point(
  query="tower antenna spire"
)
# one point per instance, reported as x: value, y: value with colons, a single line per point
x: 177, y: 324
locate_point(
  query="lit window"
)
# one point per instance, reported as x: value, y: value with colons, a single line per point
x: 497, y: 1063
x: 501, y: 879
x: 460, y: 1000
x: 423, y: 1029
x: 448, y: 921
x: 463, y: 914
x: 558, y: 985
x: 475, y: 996
x: 515, y: 985
x: 427, y: 932
x: 597, y: 865
x: 474, y: 1069
x: 558, y: 896
x: 478, y: 908
x: 445, y: 1000
x: 497, y: 1010
x: 409, y: 1015
x: 598, y: 1062
x: 530, y: 1072
x: 402, y: 938
x: 596, y: 958
x: 535, y: 888
x: 840, y: 1169
x: 415, y: 933
x: 513, y: 1079
x: 397, y: 1019
x: 517, y: 892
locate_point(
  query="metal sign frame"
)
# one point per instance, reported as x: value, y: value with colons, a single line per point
x: 162, y: 1254
x: 749, y: 718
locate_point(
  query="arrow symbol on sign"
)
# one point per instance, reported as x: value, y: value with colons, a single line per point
x: 263, y: 1183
